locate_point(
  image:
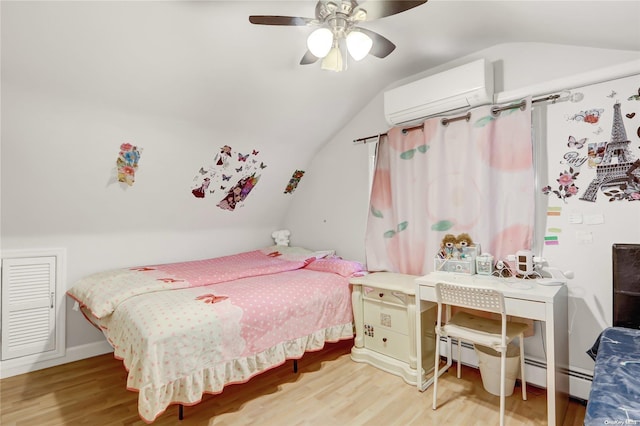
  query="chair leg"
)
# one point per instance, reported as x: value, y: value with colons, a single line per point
x: 523, y: 379
x: 503, y: 367
x: 459, y: 355
x: 436, y: 370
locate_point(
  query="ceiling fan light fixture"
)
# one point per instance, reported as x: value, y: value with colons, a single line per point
x: 359, y: 44
x: 333, y: 61
x: 337, y: 34
x: 320, y: 41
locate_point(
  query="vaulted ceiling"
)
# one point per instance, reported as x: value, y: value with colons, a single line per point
x: 202, y: 61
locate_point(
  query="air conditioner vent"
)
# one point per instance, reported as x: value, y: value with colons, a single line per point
x: 462, y: 87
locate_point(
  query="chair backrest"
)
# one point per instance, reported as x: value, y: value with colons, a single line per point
x: 481, y: 298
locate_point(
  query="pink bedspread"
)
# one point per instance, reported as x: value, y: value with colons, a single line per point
x: 179, y: 343
x: 100, y: 293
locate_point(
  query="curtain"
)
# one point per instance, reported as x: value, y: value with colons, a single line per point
x: 474, y: 177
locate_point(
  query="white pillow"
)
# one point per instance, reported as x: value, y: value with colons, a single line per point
x: 295, y: 253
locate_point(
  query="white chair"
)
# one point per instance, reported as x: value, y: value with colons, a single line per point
x: 496, y: 334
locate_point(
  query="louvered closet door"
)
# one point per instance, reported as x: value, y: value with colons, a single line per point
x: 28, y: 306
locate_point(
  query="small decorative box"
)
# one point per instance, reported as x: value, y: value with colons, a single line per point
x: 453, y: 265
x: 484, y: 264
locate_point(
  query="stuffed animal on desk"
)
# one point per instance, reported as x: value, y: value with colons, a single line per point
x: 463, y: 241
x: 448, y: 247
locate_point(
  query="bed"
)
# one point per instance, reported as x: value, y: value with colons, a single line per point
x: 187, y: 329
x: 615, y: 392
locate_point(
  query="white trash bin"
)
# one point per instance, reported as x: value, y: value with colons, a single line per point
x: 489, y: 362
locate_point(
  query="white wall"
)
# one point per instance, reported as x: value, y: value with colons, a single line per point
x: 586, y: 230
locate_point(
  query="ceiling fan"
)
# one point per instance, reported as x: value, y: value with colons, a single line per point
x: 338, y: 25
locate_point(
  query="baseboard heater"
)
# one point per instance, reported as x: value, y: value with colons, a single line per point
x: 579, y: 381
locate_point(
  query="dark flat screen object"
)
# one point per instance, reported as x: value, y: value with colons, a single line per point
x: 626, y: 285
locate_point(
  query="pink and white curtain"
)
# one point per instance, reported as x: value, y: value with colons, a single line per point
x: 473, y: 177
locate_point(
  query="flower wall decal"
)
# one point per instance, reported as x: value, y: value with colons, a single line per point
x: 567, y: 187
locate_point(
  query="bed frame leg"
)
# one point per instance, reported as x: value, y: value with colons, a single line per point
x: 180, y: 412
x: 295, y: 365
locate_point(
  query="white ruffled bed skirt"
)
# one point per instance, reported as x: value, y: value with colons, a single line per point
x: 152, y: 402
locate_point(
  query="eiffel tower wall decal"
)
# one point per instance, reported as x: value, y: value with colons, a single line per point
x: 618, y: 168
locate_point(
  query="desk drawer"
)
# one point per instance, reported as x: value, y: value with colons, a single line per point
x: 389, y: 343
x: 525, y: 308
x: 382, y: 315
x: 382, y: 295
x: 427, y: 293
x: 514, y: 307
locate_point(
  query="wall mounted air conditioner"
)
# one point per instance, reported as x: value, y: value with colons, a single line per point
x: 462, y: 87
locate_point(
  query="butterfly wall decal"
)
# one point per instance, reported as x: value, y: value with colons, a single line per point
x: 574, y: 143
x: 635, y: 97
x: 228, y: 164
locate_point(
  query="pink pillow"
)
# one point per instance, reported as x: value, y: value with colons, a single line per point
x: 346, y: 268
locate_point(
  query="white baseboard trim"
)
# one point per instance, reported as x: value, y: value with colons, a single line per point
x: 579, y: 379
x: 27, y: 364
x: 580, y: 383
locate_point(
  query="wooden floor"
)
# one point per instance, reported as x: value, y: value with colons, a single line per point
x: 329, y: 389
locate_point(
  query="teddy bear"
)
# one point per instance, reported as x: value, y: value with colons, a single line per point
x: 448, y: 246
x: 462, y: 242
x: 281, y: 237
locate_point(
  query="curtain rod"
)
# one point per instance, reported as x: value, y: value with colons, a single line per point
x: 522, y: 104
x: 445, y: 121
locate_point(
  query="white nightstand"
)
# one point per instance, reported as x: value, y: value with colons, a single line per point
x: 384, y: 311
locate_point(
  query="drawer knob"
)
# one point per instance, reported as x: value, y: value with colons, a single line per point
x: 384, y: 339
x: 381, y: 294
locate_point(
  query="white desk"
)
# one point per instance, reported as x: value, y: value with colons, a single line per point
x: 542, y: 303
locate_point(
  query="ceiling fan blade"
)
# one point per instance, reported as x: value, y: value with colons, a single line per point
x: 279, y: 20
x: 382, y: 47
x: 379, y: 9
x: 308, y: 58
